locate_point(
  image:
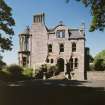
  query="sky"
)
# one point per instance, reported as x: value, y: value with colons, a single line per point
x: 72, y: 14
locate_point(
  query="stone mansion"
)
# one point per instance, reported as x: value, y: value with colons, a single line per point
x: 59, y: 45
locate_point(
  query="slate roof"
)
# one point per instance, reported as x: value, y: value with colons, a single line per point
x: 74, y: 33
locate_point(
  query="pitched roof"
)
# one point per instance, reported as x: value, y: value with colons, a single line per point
x: 76, y: 34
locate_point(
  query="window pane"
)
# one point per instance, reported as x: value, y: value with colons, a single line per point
x: 60, y: 33
x: 76, y: 62
x: 52, y: 61
x: 24, y: 61
x: 73, y: 47
x: 63, y: 34
x: 61, y: 48
x: 71, y: 63
x: 47, y: 60
x: 49, y: 48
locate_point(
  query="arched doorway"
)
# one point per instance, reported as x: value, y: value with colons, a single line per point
x: 60, y: 64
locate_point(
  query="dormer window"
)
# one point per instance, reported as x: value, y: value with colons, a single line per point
x: 60, y: 34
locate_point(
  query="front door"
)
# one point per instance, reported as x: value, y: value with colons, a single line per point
x: 60, y: 64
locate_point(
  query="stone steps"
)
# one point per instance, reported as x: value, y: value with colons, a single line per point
x: 60, y: 76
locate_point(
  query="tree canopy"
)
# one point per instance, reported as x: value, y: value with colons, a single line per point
x: 99, y: 61
x: 97, y: 8
x: 2, y: 64
x: 6, y: 23
x: 100, y: 55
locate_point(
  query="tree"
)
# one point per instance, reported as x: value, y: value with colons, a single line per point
x: 6, y: 23
x: 15, y: 71
x: 91, y: 59
x: 97, y: 8
x: 2, y: 64
x: 99, y: 65
x: 99, y: 61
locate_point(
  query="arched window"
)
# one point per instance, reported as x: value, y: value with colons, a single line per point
x: 73, y: 47
x: 24, y: 61
x: 47, y: 60
x: 76, y: 62
x: 52, y: 60
x: 61, y: 47
x: 49, y: 48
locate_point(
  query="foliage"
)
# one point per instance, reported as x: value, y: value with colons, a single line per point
x: 2, y: 64
x: 97, y: 8
x: 51, y: 71
x: 6, y: 23
x: 28, y: 72
x: 91, y: 59
x: 4, y: 75
x: 91, y: 67
x: 99, y: 65
x: 14, y: 72
x: 99, y: 61
x: 100, y: 55
x: 48, y: 69
x: 39, y: 74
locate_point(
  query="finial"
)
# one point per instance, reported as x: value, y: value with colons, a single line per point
x: 61, y: 22
x: 82, y: 27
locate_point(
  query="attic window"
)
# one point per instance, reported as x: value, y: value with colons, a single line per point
x: 60, y: 33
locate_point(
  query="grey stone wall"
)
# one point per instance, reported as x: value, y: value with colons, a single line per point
x: 39, y: 44
x: 41, y: 36
x: 96, y: 75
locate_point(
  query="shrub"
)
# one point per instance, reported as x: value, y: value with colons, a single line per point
x: 2, y: 64
x: 48, y: 69
x: 99, y: 61
x: 27, y: 72
x: 4, y: 76
x: 99, y: 65
x: 15, y: 72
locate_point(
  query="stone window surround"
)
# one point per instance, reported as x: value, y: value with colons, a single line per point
x: 60, y: 33
x: 73, y: 63
x: 73, y: 46
x: 50, y: 60
x: 61, y: 47
x: 49, y: 48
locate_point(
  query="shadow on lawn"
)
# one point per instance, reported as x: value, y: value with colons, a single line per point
x: 51, y: 92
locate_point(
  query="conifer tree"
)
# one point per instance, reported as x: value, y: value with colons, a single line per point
x: 6, y: 23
